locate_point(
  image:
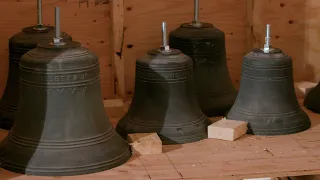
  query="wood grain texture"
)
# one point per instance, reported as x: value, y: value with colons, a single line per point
x: 117, y: 37
x: 88, y: 25
x: 249, y: 157
x: 295, y: 28
x: 142, y: 23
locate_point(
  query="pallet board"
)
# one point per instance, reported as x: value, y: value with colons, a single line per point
x: 249, y: 157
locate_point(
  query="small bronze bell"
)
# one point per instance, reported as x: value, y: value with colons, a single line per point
x: 205, y: 44
x: 164, y: 100
x: 267, y: 99
x: 61, y: 127
x: 19, y: 44
x: 312, y: 99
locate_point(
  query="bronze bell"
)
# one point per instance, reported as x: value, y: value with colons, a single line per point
x: 267, y: 99
x: 61, y: 127
x: 19, y: 44
x: 312, y: 99
x: 205, y: 44
x: 164, y: 100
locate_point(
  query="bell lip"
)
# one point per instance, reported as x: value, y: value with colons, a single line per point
x: 202, y: 26
x: 67, y: 45
x: 6, y: 125
x: 34, y: 30
x: 279, y: 132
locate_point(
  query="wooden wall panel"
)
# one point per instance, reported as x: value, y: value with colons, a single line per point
x: 142, y: 28
x: 90, y: 25
x: 295, y: 28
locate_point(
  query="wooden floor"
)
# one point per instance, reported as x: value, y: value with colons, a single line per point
x: 249, y: 157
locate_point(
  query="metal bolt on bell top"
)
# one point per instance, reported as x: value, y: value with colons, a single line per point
x: 205, y: 44
x: 61, y: 127
x: 266, y: 98
x: 19, y: 44
x: 164, y: 99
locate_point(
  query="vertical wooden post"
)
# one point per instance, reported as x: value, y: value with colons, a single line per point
x: 250, y: 37
x: 117, y: 43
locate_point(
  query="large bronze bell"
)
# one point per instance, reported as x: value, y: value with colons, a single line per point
x: 61, y: 127
x: 205, y: 44
x: 312, y: 99
x: 19, y: 44
x: 267, y: 99
x: 164, y: 100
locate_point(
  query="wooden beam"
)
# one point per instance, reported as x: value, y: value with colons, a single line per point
x: 250, y: 37
x: 117, y: 41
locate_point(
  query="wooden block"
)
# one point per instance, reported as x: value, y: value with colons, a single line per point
x: 302, y: 88
x: 114, y: 108
x: 227, y: 129
x: 145, y: 143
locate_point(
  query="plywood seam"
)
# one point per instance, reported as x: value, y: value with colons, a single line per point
x: 174, y: 166
x: 144, y: 168
x: 309, y: 152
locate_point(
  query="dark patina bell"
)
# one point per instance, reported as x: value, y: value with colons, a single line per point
x: 205, y: 44
x: 61, y: 127
x: 267, y: 99
x: 164, y: 100
x: 312, y: 99
x: 19, y: 44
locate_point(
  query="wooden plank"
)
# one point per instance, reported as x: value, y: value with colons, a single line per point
x: 143, y: 28
x: 117, y: 36
x: 88, y: 25
x: 250, y: 25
